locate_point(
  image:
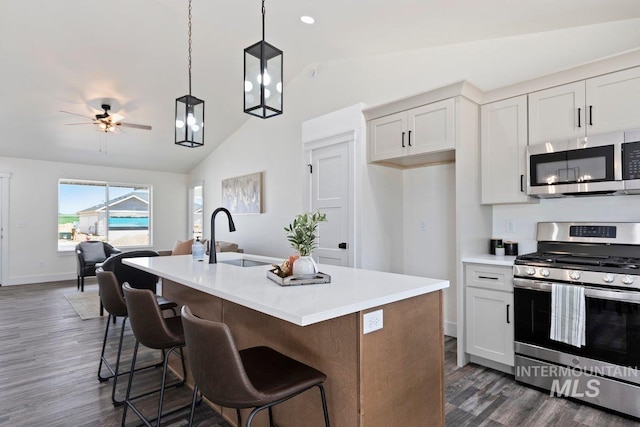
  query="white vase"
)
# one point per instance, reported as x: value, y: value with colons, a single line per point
x: 305, y: 266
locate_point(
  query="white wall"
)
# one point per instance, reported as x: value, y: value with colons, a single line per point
x: 590, y: 208
x: 33, y: 214
x: 430, y: 227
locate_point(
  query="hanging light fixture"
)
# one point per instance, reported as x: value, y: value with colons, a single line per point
x: 189, y: 112
x: 263, y: 78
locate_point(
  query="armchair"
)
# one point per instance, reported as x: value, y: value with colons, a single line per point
x: 89, y: 254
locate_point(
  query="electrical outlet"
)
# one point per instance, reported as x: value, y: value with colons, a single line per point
x: 41, y: 264
x: 508, y: 226
x: 423, y: 225
x: 372, y: 321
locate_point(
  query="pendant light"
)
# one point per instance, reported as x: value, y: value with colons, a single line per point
x: 189, y: 112
x: 263, y: 78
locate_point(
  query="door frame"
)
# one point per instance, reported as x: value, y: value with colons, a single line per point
x: 350, y: 138
x: 4, y: 227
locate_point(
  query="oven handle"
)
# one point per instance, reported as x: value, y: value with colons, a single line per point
x: 590, y: 292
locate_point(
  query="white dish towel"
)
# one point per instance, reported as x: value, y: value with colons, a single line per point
x: 568, y: 314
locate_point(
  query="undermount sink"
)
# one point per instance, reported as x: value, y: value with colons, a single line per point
x: 241, y: 262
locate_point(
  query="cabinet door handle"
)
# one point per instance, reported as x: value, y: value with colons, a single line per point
x: 522, y: 183
x: 409, y: 138
x: 579, y: 111
x: 487, y: 277
x: 590, y: 115
x: 402, y: 139
x: 508, y: 305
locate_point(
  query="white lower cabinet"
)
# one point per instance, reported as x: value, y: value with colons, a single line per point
x: 489, y: 312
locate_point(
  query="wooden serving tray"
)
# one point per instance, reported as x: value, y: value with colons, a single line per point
x: 297, y: 280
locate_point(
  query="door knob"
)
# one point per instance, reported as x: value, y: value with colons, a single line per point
x: 342, y: 245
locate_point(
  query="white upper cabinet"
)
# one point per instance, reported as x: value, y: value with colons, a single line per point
x: 503, y: 144
x: 387, y: 136
x: 557, y: 113
x: 601, y: 104
x: 421, y: 130
x: 613, y: 102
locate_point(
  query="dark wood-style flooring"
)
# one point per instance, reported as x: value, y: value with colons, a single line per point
x: 49, y: 359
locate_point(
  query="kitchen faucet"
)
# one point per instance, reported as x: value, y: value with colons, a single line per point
x: 232, y: 227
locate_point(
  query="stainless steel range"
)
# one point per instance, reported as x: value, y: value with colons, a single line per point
x: 598, y: 266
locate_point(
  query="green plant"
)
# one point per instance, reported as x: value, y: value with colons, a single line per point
x: 302, y: 233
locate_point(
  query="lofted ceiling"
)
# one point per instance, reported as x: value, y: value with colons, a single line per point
x: 75, y: 55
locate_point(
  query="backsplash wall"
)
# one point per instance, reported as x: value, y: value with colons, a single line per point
x: 595, y: 208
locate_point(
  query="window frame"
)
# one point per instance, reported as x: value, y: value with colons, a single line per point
x: 106, y: 184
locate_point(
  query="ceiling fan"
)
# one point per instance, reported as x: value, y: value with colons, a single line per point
x: 107, y: 122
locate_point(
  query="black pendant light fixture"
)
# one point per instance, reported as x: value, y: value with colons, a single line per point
x: 263, y: 78
x: 189, y: 112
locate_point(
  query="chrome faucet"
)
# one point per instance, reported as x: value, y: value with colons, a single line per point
x: 232, y: 227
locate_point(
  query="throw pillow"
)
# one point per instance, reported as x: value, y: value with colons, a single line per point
x: 93, y: 252
x: 182, y: 248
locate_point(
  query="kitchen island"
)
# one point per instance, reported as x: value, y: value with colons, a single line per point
x: 391, y: 376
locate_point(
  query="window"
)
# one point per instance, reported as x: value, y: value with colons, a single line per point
x: 196, y: 205
x: 119, y: 214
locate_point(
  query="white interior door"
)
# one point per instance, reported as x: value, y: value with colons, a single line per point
x: 330, y: 184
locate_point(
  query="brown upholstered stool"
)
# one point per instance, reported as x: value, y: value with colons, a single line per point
x: 153, y: 331
x: 257, y: 377
x: 113, y: 300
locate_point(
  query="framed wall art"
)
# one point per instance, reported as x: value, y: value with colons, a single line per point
x: 243, y: 194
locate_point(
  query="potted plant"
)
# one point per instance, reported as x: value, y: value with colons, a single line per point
x: 302, y: 236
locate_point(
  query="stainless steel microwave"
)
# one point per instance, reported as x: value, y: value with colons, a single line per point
x: 590, y: 165
x: 631, y: 162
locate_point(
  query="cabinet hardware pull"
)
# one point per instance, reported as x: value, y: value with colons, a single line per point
x: 522, y: 183
x: 487, y: 277
x: 342, y: 245
x: 579, y: 117
x: 508, y: 313
x: 409, y: 138
x: 590, y: 115
x: 402, y: 139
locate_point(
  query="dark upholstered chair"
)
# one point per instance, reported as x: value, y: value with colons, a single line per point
x: 153, y: 331
x: 113, y: 300
x: 257, y: 377
x: 133, y: 276
x: 89, y: 254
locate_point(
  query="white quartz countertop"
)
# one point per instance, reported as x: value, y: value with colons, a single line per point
x: 490, y: 259
x: 351, y: 290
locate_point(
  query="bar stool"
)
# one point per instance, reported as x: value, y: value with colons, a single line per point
x: 157, y: 332
x: 113, y: 300
x: 257, y: 377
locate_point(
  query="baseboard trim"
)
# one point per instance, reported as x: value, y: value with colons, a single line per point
x: 451, y: 329
x: 24, y: 280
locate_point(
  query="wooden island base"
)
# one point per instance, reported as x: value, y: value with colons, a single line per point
x: 390, y: 377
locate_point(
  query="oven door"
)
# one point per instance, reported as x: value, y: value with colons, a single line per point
x: 612, y: 322
x: 570, y: 167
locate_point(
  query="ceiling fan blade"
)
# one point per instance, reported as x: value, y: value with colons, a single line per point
x: 135, y: 126
x: 115, y: 117
x: 76, y: 114
x: 74, y: 124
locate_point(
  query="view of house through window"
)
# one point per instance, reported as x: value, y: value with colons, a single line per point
x: 115, y: 213
x: 196, y: 211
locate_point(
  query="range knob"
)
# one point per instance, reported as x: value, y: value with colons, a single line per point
x: 545, y: 272
x: 627, y: 280
x: 574, y: 275
x: 530, y: 271
x: 608, y: 278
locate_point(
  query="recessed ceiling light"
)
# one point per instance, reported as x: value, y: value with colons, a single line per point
x: 307, y: 19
